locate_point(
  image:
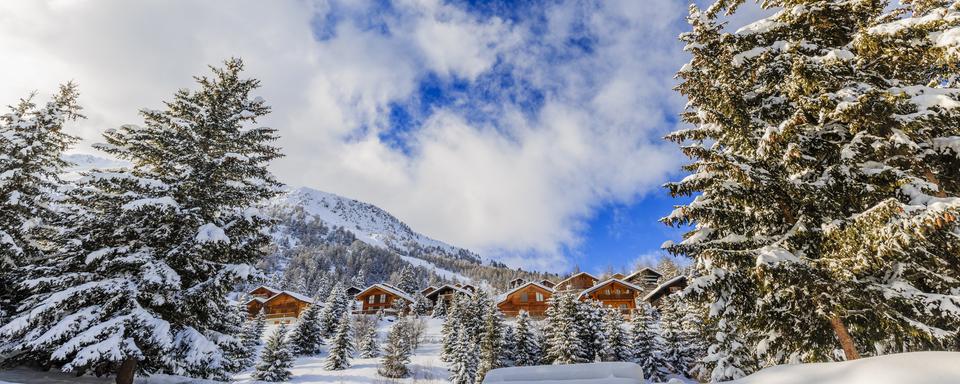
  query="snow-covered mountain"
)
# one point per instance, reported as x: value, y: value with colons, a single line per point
x: 367, y: 222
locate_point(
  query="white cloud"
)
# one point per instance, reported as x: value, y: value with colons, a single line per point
x: 518, y: 186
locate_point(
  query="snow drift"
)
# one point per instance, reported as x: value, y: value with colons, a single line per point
x: 904, y: 368
x: 599, y: 373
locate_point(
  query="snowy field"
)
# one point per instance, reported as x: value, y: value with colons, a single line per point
x: 426, y: 368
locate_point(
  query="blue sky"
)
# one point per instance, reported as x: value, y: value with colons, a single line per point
x: 528, y: 131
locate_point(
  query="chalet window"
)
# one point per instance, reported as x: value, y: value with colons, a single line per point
x: 371, y: 299
x: 383, y: 297
x: 617, y: 291
x: 539, y: 296
x: 623, y: 306
x: 524, y: 297
x: 606, y: 291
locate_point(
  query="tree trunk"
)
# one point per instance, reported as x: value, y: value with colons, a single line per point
x: 127, y: 370
x: 849, y: 348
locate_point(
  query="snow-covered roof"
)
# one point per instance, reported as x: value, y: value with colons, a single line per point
x: 575, y: 275
x: 658, y: 291
x: 271, y: 289
x: 389, y: 288
x: 455, y: 288
x: 257, y: 299
x: 504, y: 296
x: 298, y: 296
x: 632, y: 275
x: 607, y: 282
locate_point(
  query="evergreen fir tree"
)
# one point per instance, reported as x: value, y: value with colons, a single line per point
x: 306, y: 338
x: 251, y: 337
x: 359, y: 280
x: 334, y: 308
x: 526, y: 347
x: 677, y: 354
x: 563, y: 333
x: 491, y: 341
x: 647, y: 344
x: 440, y: 309
x: 172, y: 235
x: 407, y: 280
x: 276, y: 359
x: 463, y: 363
x: 508, y: 348
x: 396, y: 355
x: 32, y: 141
x: 341, y: 347
x: 616, y: 343
x: 451, y: 324
x: 825, y: 174
x: 421, y: 305
x: 730, y: 356
x: 368, y: 345
x: 588, y: 323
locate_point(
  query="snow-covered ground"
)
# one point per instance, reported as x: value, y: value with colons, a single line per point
x: 905, y: 368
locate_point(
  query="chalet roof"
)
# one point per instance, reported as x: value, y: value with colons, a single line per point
x: 354, y: 288
x: 428, y: 289
x: 257, y: 299
x: 292, y: 294
x: 644, y: 269
x: 662, y: 288
x: 517, y: 279
x: 271, y: 289
x: 389, y: 288
x: 503, y: 297
x: 578, y: 274
x: 546, y: 281
x: 607, y: 282
x: 436, y: 292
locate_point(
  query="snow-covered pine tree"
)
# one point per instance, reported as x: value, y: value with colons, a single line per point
x: 341, y: 347
x: 491, y: 341
x: 507, y: 347
x: 563, y: 332
x: 276, y: 358
x: 359, y: 280
x: 156, y: 248
x: 421, y: 305
x: 647, y: 344
x: 729, y: 357
x: 396, y: 354
x: 616, y: 342
x: 677, y: 354
x: 407, y: 280
x: 824, y: 147
x: 440, y: 309
x: 526, y: 348
x: 336, y: 305
x: 589, y: 322
x: 251, y: 337
x: 32, y: 141
x: 451, y: 323
x: 306, y: 337
x: 368, y: 345
x: 463, y: 363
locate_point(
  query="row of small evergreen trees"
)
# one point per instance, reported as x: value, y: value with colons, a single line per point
x: 668, y: 341
x: 127, y: 270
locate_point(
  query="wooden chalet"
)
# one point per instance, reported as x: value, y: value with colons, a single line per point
x: 531, y: 297
x: 547, y: 283
x: 618, y: 275
x: 615, y: 293
x: 353, y: 291
x: 517, y: 282
x: 446, y: 292
x: 668, y: 287
x: 645, y: 277
x: 578, y: 282
x: 466, y: 287
x: 427, y: 290
x: 280, y: 307
x: 379, y: 297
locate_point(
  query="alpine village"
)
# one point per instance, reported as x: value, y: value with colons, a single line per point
x: 817, y: 217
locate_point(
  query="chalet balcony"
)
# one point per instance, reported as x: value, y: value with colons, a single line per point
x: 625, y: 296
x: 280, y: 315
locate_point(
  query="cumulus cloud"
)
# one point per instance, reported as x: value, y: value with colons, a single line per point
x: 509, y: 176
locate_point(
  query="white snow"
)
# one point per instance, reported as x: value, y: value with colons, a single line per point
x: 211, y: 233
x: 771, y: 255
x: 905, y: 368
x: 161, y: 202
x: 444, y: 273
x: 599, y: 373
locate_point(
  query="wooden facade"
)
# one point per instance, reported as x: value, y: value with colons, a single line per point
x: 668, y: 287
x: 280, y: 307
x: 445, y: 293
x: 646, y: 277
x: 548, y: 283
x: 531, y: 297
x: 379, y: 297
x: 615, y: 293
x: 579, y: 281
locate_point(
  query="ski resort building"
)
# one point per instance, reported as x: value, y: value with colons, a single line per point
x: 579, y: 281
x: 446, y: 292
x: 615, y: 293
x: 531, y: 297
x: 382, y: 297
x: 280, y: 307
x: 646, y: 277
x: 668, y: 287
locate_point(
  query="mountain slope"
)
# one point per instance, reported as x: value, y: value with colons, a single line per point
x: 367, y: 222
